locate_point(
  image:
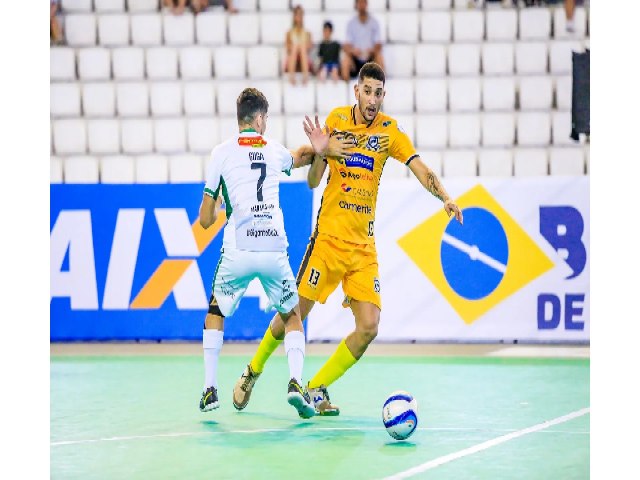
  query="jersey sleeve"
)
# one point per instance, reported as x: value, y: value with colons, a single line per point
x: 401, y: 148
x: 286, y: 159
x: 214, y: 174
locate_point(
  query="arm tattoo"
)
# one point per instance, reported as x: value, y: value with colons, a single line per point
x: 433, y: 185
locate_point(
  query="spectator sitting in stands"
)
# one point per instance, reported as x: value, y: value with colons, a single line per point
x: 298, y: 45
x: 55, y: 29
x: 364, y: 42
x: 328, y: 54
x: 203, y: 4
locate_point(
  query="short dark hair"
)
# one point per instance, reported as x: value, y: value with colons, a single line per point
x: 371, y: 70
x: 328, y: 25
x: 251, y: 102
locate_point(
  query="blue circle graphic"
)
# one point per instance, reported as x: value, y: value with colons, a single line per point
x: 474, y: 255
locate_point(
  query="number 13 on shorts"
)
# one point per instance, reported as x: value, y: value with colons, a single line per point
x: 314, y: 276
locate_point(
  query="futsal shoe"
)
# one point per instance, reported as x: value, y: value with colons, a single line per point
x: 322, y: 403
x: 243, y: 388
x: 300, y: 400
x: 209, y: 400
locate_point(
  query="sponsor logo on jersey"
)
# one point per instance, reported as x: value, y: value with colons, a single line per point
x: 355, y: 176
x: 355, y: 207
x: 287, y: 292
x: 262, y: 232
x: 358, y: 160
x: 262, y: 207
x: 255, y: 142
x: 345, y: 187
x: 373, y: 143
x: 386, y: 123
x: 357, y: 192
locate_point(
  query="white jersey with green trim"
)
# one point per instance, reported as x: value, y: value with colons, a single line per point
x: 246, y: 170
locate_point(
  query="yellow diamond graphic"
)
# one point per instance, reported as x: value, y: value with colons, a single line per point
x: 526, y: 261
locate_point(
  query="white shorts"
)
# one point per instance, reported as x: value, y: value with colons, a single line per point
x: 237, y: 268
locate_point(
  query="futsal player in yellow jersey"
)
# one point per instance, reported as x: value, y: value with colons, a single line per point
x: 342, y: 247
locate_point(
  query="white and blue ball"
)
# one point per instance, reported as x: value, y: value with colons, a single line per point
x: 400, y: 414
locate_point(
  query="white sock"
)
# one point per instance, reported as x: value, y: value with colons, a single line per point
x: 294, y: 344
x: 212, y: 344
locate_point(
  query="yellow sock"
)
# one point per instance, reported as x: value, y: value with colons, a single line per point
x: 267, y: 346
x: 338, y: 363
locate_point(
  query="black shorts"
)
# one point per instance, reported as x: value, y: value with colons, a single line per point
x: 357, y: 65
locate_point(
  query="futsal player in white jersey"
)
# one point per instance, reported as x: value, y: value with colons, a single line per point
x: 245, y: 170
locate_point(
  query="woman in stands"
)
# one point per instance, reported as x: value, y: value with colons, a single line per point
x: 298, y: 44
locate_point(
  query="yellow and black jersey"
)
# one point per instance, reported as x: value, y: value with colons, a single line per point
x: 348, y: 205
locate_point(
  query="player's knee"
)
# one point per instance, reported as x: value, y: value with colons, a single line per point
x: 369, y: 332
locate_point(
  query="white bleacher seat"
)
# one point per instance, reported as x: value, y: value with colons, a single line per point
x: 273, y: 28
x: 464, y: 94
x: 195, y: 62
x: 403, y: 27
x: 74, y: 6
x: 468, y: 26
x: 128, y: 63
x: 561, y: 128
x: 166, y: 99
x: 203, y: 134
x: 244, y: 29
x: 169, y: 135
x: 263, y: 62
x: 55, y: 172
x: 530, y: 162
x: 535, y: 93
x: 498, y: 129
x: 152, y: 169
x: 162, y: 63
x: 227, y: 93
x: 229, y: 127
x: 272, y: 89
x: 406, y: 124
x: 393, y: 168
x: 338, y: 6
x: 535, y: 23
x: 109, y: 6
x: 135, y: 6
x: 340, y: 21
x: 246, y: 5
x: 117, y: 169
x: 560, y: 56
x: 534, y: 129
x: 431, y: 94
x: 294, y: 132
x: 502, y: 24
x: 98, y: 99
x: 113, y: 30
x: 464, y: 59
x: 436, y: 4
x: 211, y: 28
x: 94, y: 64
x: 433, y: 132
x: 276, y: 129
x: 274, y: 6
x: 498, y: 58
x: 462, y: 4
x: 495, y: 163
x: 185, y: 168
x: 560, y: 23
x: 395, y: 5
x: 563, y: 86
x: 64, y: 100
x: 433, y: 160
x: 399, y: 96
x: 69, y: 136
x: 103, y: 136
x: 464, y: 130
x: 229, y: 62
x: 531, y: 57
x: 299, y: 99
x: 132, y: 99
x: 146, y: 29
x: 380, y: 6
x: 80, y: 29
x: 178, y: 30
x: 332, y: 94
x: 136, y: 135
x: 435, y: 26
x: 307, y: 5
x: 459, y: 163
x: 199, y: 98
x: 62, y: 63
x: 398, y: 60
x: 498, y: 93
x: 430, y: 60
x: 81, y: 169
x: 566, y: 161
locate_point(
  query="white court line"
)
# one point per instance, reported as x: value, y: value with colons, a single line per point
x: 272, y: 430
x: 485, y: 445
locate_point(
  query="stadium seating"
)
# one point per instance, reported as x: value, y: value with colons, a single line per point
x: 138, y: 94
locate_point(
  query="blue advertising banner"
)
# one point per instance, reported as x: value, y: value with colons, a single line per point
x: 131, y: 262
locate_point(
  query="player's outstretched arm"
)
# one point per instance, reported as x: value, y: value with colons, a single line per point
x: 208, y: 214
x: 302, y: 156
x: 314, y: 177
x: 430, y: 181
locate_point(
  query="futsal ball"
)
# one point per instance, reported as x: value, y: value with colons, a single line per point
x: 400, y: 414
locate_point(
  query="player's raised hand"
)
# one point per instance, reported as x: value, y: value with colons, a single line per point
x: 450, y: 208
x: 319, y: 139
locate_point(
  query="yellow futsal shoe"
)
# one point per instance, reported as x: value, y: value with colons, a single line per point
x: 243, y: 388
x: 321, y: 402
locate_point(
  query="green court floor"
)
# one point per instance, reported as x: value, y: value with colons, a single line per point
x: 137, y: 417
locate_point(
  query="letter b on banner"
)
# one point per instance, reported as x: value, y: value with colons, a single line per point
x: 563, y: 227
